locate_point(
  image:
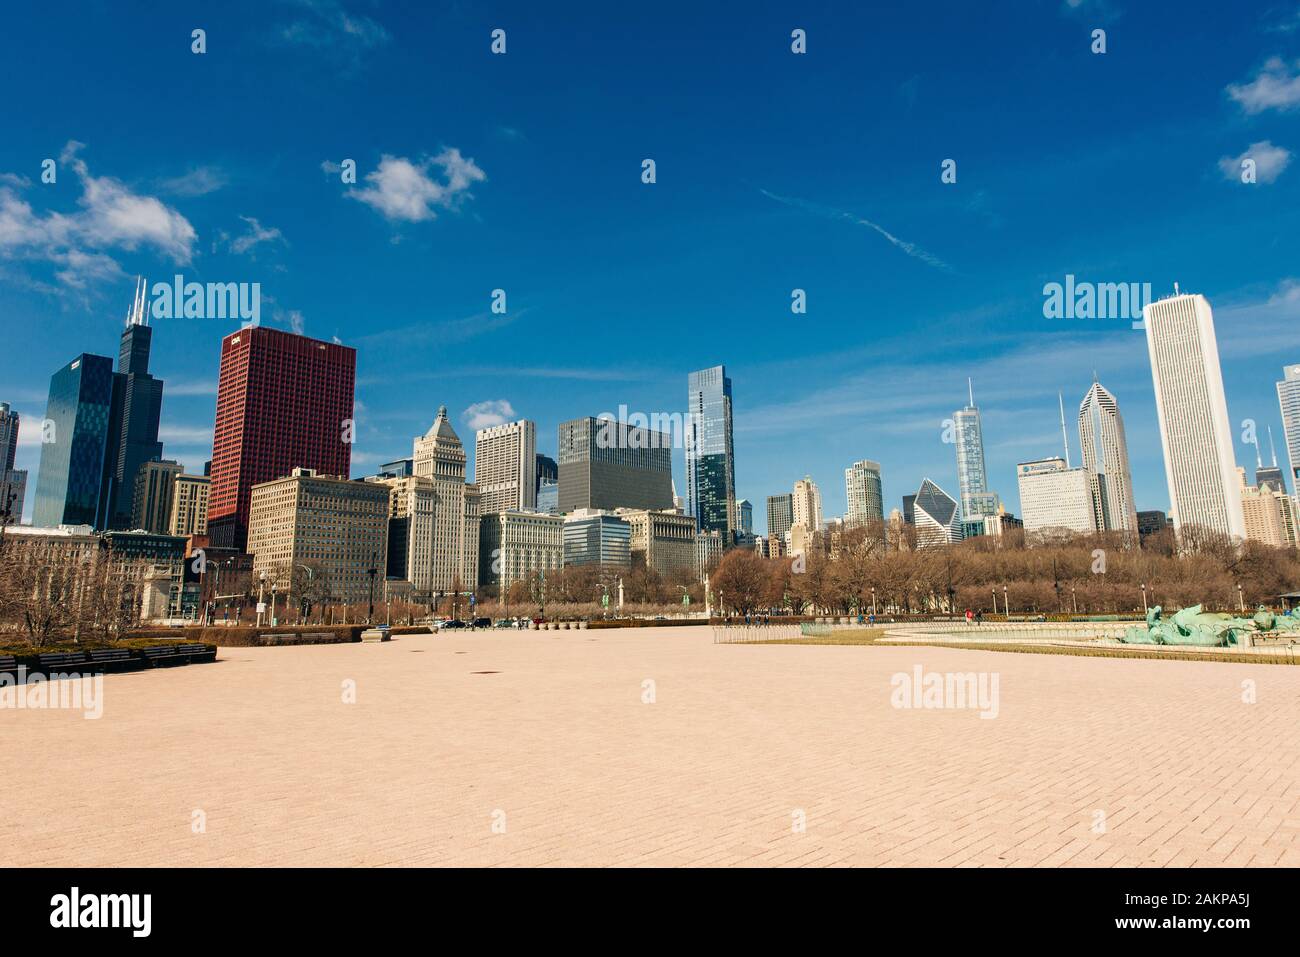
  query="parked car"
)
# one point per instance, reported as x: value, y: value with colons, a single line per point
x: 481, y: 623
x: 451, y: 623
x: 539, y: 621
x: 504, y: 623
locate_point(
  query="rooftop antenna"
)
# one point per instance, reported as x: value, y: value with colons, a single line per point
x: 971, y: 390
x: 1271, y: 447
x: 1259, y: 456
x: 1060, y: 397
x: 137, y: 316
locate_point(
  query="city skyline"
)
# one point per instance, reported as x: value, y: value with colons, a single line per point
x: 414, y: 295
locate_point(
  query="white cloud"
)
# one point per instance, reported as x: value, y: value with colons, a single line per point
x: 1275, y: 87
x: 403, y: 190
x: 197, y: 182
x: 1270, y: 161
x: 482, y: 415
x: 328, y: 24
x: 184, y: 435
x: 257, y: 233
x: 111, y: 217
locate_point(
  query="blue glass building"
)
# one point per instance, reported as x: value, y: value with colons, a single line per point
x: 78, y: 448
x: 710, y: 461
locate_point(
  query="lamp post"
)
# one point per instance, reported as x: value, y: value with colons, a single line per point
x: 1241, y: 598
x: 261, y: 597
x: 1006, y: 609
x: 873, y: 602
x: 372, y: 571
x: 1144, y: 599
x: 1074, y: 601
x: 995, y: 600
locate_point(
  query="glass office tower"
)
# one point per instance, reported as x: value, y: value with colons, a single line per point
x: 710, y: 462
x: 77, y: 444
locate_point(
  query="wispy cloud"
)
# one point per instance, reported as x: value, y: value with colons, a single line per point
x: 913, y: 250
x: 1275, y: 87
x: 329, y: 25
x: 111, y: 216
x: 197, y: 182
x: 406, y: 191
x: 254, y: 235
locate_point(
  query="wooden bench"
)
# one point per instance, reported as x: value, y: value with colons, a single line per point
x: 61, y: 659
x: 113, y: 659
x: 161, y: 655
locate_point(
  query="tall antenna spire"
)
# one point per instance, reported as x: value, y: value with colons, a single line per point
x: 1060, y: 397
x: 1271, y: 447
x: 971, y: 390
x: 1259, y: 456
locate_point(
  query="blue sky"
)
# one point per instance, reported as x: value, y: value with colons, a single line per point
x: 775, y: 171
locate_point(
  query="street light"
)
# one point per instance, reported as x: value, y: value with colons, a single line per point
x: 372, y: 571
x: 1006, y: 609
x: 1144, y: 598
x: 1241, y: 598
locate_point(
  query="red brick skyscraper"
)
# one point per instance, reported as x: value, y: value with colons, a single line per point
x: 283, y: 402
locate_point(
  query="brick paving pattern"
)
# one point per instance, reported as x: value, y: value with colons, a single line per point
x: 741, y: 740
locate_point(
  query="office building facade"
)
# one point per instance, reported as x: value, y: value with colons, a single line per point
x: 972, y: 477
x: 780, y: 515
x: 1055, y: 497
x: 189, y: 511
x: 1195, y: 435
x: 1288, y: 397
x: 607, y: 464
x: 592, y: 537
x: 806, y: 504
x: 936, y: 515
x: 1105, y: 456
x: 13, y: 481
x: 440, y: 457
x: 515, y: 546
x: 865, y: 493
x: 152, y: 495
x: 663, y: 540
x: 505, y: 466
x: 710, y: 453
x: 76, y: 449
x: 284, y: 401
x: 335, y: 526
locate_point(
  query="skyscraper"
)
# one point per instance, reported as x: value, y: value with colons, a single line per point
x: 710, y: 462
x: 1200, y: 467
x: 1105, y: 457
x: 153, y: 492
x: 505, y: 466
x: 806, y: 504
x: 865, y: 495
x: 936, y: 515
x: 744, y: 517
x: 136, y: 440
x: 440, y: 456
x: 1054, y: 496
x: 13, y: 482
x: 972, y: 480
x: 608, y: 464
x: 1288, y: 397
x: 76, y: 445
x: 284, y: 401
x: 780, y: 515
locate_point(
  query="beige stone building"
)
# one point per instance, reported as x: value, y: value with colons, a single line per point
x: 412, y: 513
x: 514, y: 545
x: 334, y: 525
x: 806, y: 504
x: 1268, y: 514
x: 438, y: 455
x: 189, y: 514
x: 665, y: 539
x: 505, y: 466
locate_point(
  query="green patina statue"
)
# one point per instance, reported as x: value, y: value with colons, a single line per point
x: 1191, y: 626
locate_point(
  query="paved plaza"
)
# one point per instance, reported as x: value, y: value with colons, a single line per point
x: 656, y: 746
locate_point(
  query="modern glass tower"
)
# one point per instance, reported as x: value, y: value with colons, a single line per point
x: 1105, y: 456
x: 972, y: 479
x: 77, y: 443
x: 710, y: 463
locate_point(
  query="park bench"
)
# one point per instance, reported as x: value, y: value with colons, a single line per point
x: 113, y: 659
x: 161, y: 655
x: 61, y: 659
x: 8, y: 663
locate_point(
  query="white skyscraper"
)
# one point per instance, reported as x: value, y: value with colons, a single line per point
x: 1204, y: 489
x: 937, y: 516
x: 972, y: 478
x: 1105, y: 455
x: 1288, y: 396
x: 806, y: 504
x: 1055, y: 496
x: 505, y: 466
x: 863, y: 490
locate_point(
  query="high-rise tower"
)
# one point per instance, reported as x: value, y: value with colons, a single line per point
x: 1105, y: 456
x: 1200, y: 466
x: 283, y: 402
x: 972, y: 479
x: 710, y: 463
x: 136, y: 439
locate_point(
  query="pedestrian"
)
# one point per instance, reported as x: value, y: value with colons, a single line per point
x: 969, y: 616
x: 979, y: 617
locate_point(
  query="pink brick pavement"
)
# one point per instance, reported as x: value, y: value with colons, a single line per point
x: 559, y: 746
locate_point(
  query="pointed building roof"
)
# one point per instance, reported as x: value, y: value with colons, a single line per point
x: 441, y: 428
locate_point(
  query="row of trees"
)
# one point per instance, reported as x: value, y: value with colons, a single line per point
x: 1072, y: 574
